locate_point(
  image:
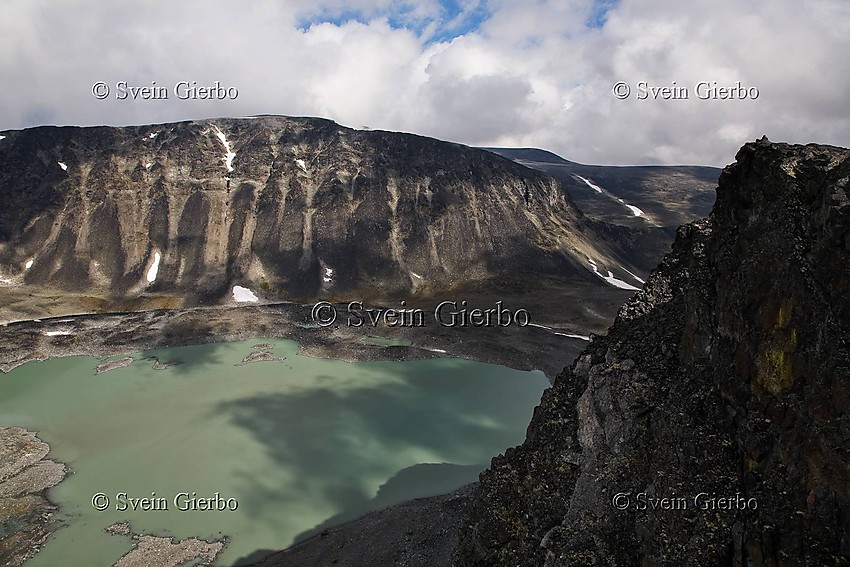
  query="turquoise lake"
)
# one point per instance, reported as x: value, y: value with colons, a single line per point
x: 301, y: 444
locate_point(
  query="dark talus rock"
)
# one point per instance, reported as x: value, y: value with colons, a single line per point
x: 725, y: 376
x: 293, y: 208
x: 417, y: 533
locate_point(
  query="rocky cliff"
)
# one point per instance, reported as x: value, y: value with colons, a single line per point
x: 292, y: 208
x: 710, y: 425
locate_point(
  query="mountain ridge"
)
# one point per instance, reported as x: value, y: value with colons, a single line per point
x: 294, y: 208
x: 723, y: 379
x: 637, y: 196
x: 706, y: 427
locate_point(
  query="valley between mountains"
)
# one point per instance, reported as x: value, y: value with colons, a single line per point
x: 131, y: 230
x: 123, y: 240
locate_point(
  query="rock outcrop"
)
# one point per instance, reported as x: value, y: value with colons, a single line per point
x: 26, y: 516
x: 710, y: 425
x: 290, y: 208
x: 417, y: 533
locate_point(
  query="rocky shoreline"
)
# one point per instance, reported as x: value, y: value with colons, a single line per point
x: 26, y: 514
x: 114, y: 337
x: 122, y: 334
x: 425, y: 532
x: 158, y: 551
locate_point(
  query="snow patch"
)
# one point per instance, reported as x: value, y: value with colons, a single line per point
x: 590, y: 184
x: 570, y: 335
x: 415, y: 275
x: 635, y: 211
x: 243, y: 295
x: 153, y: 135
x: 635, y: 276
x: 57, y: 333
x: 229, y: 153
x: 554, y: 332
x: 441, y: 351
x: 611, y: 279
x: 29, y: 264
x: 618, y: 283
x: 154, y: 269
x: 148, y: 166
x: 329, y: 275
x: 63, y: 166
x: 302, y: 165
x: 2, y: 137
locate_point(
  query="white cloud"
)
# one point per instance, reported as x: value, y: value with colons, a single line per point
x: 532, y: 74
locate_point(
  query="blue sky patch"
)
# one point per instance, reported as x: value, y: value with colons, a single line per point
x: 599, y: 12
x: 453, y: 21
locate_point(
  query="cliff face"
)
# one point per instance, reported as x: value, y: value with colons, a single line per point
x: 292, y: 208
x: 722, y: 387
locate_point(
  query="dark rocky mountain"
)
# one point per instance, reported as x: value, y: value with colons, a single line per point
x: 714, y: 412
x: 99, y: 219
x: 722, y: 387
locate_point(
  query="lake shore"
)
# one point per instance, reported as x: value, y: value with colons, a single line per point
x: 214, y: 413
x: 532, y: 347
x: 26, y: 514
x: 114, y: 337
x: 418, y: 533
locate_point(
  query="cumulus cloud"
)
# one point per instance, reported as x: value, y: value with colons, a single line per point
x: 484, y: 72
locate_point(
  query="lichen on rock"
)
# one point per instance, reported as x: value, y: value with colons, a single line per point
x: 724, y: 379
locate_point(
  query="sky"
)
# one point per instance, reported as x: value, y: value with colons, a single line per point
x: 530, y: 73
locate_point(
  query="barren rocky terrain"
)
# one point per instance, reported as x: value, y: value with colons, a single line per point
x: 26, y: 515
x: 177, y: 215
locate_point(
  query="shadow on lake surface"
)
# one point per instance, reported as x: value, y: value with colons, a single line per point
x: 402, y: 431
x: 189, y: 359
x: 302, y: 444
x: 418, y: 481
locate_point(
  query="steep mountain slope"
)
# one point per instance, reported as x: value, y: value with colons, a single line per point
x: 634, y: 196
x: 721, y: 387
x: 637, y: 209
x: 291, y: 208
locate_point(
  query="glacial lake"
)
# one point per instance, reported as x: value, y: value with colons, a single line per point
x: 301, y: 444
